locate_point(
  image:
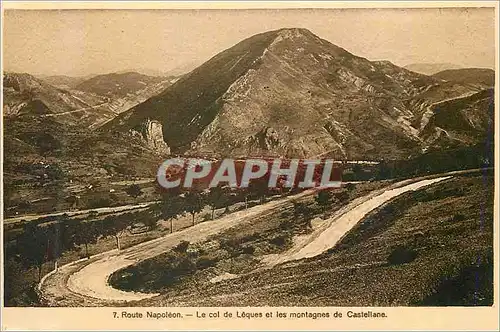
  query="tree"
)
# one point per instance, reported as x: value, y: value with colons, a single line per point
x: 385, y: 171
x: 86, y: 233
x: 56, y: 242
x: 43, y: 242
x: 358, y: 172
x: 134, y: 190
x: 259, y: 187
x: 302, y: 212
x: 148, y: 218
x: 68, y: 234
x: 323, y: 199
x: 115, y: 226
x: 243, y: 194
x: 216, y: 198
x: 193, y: 203
x: 33, y: 245
x: 17, y: 290
x: 342, y: 196
x: 73, y: 200
x: 170, y: 207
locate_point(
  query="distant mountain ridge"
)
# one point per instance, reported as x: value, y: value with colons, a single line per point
x: 63, y: 81
x: 431, y: 68
x: 117, y: 84
x: 483, y: 76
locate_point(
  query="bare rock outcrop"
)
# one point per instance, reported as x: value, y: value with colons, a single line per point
x: 151, y: 133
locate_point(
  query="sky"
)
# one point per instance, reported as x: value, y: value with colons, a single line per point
x: 87, y: 42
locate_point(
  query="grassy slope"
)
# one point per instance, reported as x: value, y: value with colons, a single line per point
x: 447, y: 230
x: 117, y: 84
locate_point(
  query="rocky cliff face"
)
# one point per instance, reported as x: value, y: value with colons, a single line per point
x: 151, y: 133
x: 291, y: 93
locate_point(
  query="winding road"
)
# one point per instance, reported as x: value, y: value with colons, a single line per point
x: 72, y: 213
x: 85, y: 282
x: 83, y: 109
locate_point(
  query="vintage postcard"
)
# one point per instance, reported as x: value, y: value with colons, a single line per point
x: 249, y: 166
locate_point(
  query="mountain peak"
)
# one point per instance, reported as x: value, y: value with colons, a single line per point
x: 299, y: 39
x: 295, y: 34
x: 291, y: 32
x: 287, y: 92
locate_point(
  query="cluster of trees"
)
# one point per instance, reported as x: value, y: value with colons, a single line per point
x: 46, y: 239
x: 174, y: 203
x: 439, y: 161
x: 177, y: 201
x: 433, y: 161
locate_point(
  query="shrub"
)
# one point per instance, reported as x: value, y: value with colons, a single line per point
x: 134, y: 190
x: 181, y: 247
x: 248, y: 250
x: 420, y: 196
x: 205, y: 262
x: 350, y: 186
x: 278, y: 241
x: 458, y: 217
x: 98, y: 202
x: 401, y: 255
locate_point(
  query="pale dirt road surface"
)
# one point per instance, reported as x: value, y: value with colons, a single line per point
x: 79, y: 212
x: 333, y: 230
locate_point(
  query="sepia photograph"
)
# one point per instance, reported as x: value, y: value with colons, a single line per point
x: 249, y: 157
